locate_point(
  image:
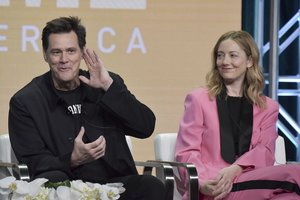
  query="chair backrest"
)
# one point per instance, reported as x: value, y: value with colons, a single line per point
x: 164, y: 148
x: 280, y: 154
x: 6, y: 152
x: 5, y: 148
x: 129, y: 142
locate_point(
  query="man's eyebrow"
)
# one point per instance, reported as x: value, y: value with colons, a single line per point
x: 55, y: 49
x: 58, y: 49
x: 71, y: 48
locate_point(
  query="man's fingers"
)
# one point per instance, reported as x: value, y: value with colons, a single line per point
x: 98, y: 147
x: 98, y: 60
x: 81, y: 133
x: 99, y: 143
x: 99, y: 154
x: 84, y: 79
x: 90, y: 57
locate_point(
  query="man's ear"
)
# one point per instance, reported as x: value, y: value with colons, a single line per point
x: 45, y: 56
x: 82, y: 51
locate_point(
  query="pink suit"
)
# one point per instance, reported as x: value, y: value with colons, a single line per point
x: 199, y: 141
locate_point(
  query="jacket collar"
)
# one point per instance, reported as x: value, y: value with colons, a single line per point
x: 46, y: 85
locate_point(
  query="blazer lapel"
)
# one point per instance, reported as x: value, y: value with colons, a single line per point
x: 226, y: 138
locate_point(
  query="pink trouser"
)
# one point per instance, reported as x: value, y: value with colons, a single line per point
x: 267, y: 183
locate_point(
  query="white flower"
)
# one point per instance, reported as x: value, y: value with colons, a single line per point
x: 113, y: 190
x: 7, y: 185
x: 120, y: 187
x: 64, y: 192
x: 86, y: 190
x: 30, y: 190
x: 13, y: 189
x: 43, y: 194
x: 79, y: 185
x: 109, y: 191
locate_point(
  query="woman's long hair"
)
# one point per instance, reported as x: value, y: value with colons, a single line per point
x: 254, y: 79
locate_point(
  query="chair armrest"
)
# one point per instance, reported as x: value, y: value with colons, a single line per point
x: 192, y: 176
x: 293, y: 162
x: 168, y: 175
x: 19, y: 171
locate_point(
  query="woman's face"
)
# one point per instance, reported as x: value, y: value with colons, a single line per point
x: 232, y: 62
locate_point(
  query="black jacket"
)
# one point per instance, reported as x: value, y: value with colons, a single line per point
x: 42, y: 130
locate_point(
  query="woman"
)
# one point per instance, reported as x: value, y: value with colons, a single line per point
x: 229, y: 129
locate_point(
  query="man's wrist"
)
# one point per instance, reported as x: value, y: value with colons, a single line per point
x: 73, y: 161
x: 107, y: 84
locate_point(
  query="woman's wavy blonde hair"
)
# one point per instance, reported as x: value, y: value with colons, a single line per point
x: 254, y: 79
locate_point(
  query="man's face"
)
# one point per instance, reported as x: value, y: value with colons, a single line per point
x: 64, y: 56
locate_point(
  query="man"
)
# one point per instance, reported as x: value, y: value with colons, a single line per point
x: 71, y: 124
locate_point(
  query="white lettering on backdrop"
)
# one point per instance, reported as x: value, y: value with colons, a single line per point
x: 30, y: 39
x: 3, y: 37
x: 94, y: 4
x: 101, y: 46
x: 136, y: 41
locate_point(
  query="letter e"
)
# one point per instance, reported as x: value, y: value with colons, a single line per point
x: 3, y: 37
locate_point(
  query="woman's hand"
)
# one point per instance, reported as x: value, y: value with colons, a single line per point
x: 225, y: 180
x: 208, y: 187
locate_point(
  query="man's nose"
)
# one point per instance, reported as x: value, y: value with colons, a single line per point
x: 64, y: 57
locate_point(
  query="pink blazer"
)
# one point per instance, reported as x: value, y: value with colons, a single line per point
x: 198, y: 140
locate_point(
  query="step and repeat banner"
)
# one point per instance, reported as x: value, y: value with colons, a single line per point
x: 162, y: 48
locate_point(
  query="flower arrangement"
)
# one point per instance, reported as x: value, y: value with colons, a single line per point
x: 41, y: 189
